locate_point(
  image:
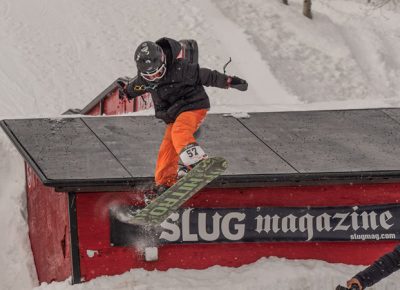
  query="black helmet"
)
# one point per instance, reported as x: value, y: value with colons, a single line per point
x: 150, y: 61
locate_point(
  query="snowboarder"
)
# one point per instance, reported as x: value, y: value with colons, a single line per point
x: 380, y: 269
x: 180, y: 100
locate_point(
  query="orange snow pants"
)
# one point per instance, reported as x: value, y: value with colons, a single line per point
x: 177, y: 136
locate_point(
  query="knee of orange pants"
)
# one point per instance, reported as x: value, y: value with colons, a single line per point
x: 184, y: 127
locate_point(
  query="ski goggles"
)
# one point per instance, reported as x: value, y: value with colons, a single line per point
x: 155, y: 75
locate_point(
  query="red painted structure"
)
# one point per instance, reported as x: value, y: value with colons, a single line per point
x: 52, y: 244
x: 70, y: 231
x: 92, y: 210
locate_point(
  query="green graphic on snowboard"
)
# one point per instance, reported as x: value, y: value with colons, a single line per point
x: 168, y: 202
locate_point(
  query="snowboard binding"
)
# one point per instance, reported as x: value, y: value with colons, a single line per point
x: 153, y: 193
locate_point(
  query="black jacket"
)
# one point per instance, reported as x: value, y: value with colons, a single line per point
x: 181, y: 89
x: 383, y: 267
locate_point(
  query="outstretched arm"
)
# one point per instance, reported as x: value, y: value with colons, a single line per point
x: 213, y: 78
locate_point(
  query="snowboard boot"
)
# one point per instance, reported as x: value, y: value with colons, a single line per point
x: 190, y: 156
x: 153, y: 193
x: 182, y: 170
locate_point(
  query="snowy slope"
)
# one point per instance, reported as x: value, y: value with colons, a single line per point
x: 344, y: 57
x: 59, y: 54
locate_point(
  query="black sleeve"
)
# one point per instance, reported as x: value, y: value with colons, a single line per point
x: 135, y: 88
x: 213, y: 78
x: 380, y: 269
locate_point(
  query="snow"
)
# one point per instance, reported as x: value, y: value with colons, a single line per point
x: 59, y: 54
x: 272, y: 273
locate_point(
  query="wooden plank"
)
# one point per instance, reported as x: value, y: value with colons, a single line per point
x: 65, y: 149
x: 244, y: 152
x: 133, y: 140
x: 331, y: 141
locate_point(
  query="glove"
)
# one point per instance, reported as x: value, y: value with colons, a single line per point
x: 121, y: 84
x: 237, y: 83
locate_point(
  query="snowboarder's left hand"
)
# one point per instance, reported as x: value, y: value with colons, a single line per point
x: 237, y: 83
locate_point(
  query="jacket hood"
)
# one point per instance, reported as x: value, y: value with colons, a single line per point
x: 170, y: 47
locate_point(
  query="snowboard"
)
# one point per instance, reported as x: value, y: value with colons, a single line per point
x: 169, y: 201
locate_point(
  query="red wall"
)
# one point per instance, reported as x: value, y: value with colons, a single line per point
x: 94, y: 229
x: 48, y: 229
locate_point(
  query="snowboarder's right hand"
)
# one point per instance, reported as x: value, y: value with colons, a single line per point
x: 237, y: 83
x: 121, y: 84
